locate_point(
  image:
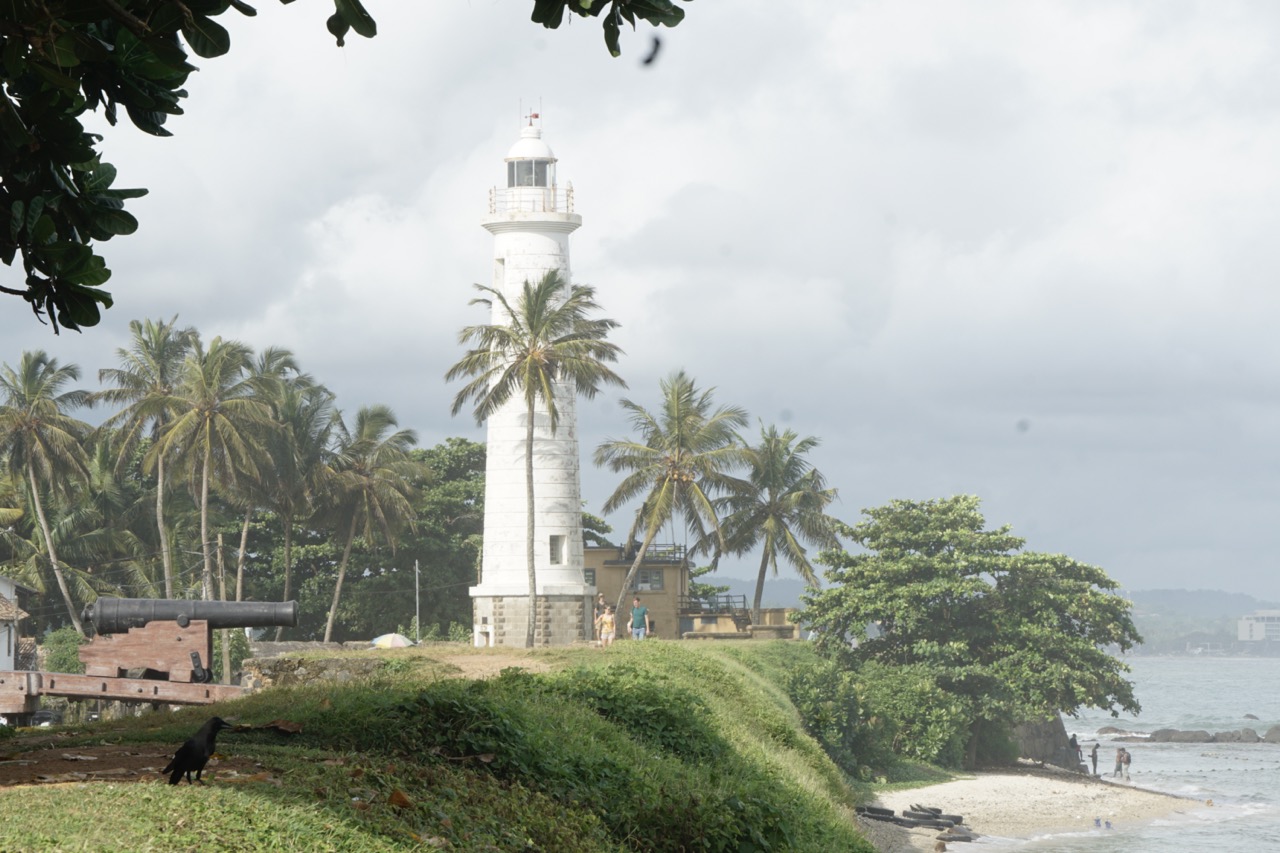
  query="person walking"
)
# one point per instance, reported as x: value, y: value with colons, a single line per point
x: 599, y: 611
x: 606, y: 626
x: 1119, y: 762
x: 1124, y: 763
x: 1093, y: 756
x: 639, y: 619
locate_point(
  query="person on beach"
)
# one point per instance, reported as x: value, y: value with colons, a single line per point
x: 1119, y: 762
x: 606, y: 625
x: 1093, y: 756
x: 1124, y: 762
x: 639, y: 619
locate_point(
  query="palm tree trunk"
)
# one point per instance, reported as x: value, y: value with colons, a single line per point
x: 529, y: 531
x: 205, y: 545
x: 764, y: 567
x: 53, y: 552
x: 223, y: 634
x: 342, y: 573
x: 288, y: 563
x: 166, y: 558
x: 649, y: 536
x: 244, y: 546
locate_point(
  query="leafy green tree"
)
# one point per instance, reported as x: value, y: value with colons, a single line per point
x: 372, y: 486
x: 543, y: 346
x: 62, y: 650
x: 42, y: 444
x: 702, y: 590
x: 780, y: 507
x: 62, y: 58
x: 679, y: 461
x: 216, y: 432
x: 1015, y: 635
x: 144, y: 383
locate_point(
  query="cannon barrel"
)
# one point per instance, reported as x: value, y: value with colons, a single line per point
x: 118, y: 615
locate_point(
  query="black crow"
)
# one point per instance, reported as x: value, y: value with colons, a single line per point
x: 194, y: 754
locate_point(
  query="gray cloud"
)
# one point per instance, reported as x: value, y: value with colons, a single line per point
x: 1024, y: 252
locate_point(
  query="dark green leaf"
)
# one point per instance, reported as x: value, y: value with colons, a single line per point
x: 207, y: 38
x: 116, y: 222
x: 549, y: 13
x: 17, y: 217
x: 64, y: 255
x: 353, y: 12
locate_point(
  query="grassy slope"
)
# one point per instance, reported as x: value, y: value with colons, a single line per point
x: 650, y: 746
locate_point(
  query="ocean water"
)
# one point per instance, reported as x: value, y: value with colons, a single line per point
x: 1242, y: 780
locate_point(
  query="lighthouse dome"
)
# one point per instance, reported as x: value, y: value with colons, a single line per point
x: 531, y: 146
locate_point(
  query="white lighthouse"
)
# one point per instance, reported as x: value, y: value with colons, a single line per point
x: 531, y: 219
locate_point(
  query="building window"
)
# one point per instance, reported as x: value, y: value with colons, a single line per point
x: 647, y: 579
x: 589, y: 577
x: 557, y: 550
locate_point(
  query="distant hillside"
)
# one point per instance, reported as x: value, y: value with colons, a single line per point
x: 778, y: 592
x: 1182, y: 605
x: 1198, y: 603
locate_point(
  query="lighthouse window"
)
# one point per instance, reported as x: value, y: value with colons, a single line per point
x: 527, y: 173
x: 557, y: 550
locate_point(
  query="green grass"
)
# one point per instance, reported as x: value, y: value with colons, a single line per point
x: 653, y: 746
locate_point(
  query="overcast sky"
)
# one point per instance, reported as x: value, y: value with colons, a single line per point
x: 1025, y: 251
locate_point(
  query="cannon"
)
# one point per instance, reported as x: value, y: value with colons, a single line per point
x: 170, y: 639
x: 118, y: 615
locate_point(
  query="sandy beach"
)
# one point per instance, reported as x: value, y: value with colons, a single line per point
x: 1019, y: 803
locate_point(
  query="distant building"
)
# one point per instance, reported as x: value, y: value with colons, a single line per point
x: 1259, y: 626
x: 10, y: 617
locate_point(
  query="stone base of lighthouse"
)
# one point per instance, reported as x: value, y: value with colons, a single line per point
x: 503, y: 620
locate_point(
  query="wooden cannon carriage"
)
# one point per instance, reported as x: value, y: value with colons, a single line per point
x: 170, y: 641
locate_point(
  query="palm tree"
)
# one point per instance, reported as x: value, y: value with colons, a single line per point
x: 306, y: 416
x: 92, y: 528
x: 268, y: 374
x: 542, y: 346
x: 40, y: 442
x: 217, y: 427
x: 680, y: 459
x: 781, y: 506
x: 371, y: 485
x: 148, y: 373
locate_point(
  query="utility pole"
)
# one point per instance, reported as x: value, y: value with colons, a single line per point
x: 417, y: 607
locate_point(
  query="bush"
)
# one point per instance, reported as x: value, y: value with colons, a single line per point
x: 61, y: 650
x: 932, y: 725
x: 826, y: 697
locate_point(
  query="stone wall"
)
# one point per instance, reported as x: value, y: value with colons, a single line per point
x: 289, y: 671
x: 563, y: 620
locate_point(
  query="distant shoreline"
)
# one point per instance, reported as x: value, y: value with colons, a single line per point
x: 1025, y: 802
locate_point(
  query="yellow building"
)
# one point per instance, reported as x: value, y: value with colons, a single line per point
x: 662, y: 585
